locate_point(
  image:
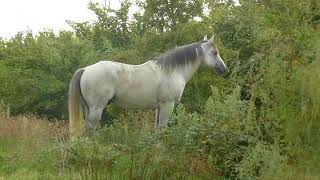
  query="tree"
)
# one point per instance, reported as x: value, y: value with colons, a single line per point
x: 111, y: 30
x: 164, y: 15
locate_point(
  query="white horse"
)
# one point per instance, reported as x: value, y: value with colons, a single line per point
x: 156, y: 84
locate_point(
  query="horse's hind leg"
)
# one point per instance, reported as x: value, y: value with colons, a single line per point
x: 95, y: 112
x: 92, y: 119
x: 96, y: 100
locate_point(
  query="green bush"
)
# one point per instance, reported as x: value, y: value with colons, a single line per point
x: 36, y: 70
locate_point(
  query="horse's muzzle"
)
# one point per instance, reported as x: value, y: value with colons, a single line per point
x: 220, y: 69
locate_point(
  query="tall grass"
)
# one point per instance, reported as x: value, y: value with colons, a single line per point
x: 26, y: 145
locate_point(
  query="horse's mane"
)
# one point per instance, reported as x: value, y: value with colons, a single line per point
x: 179, y: 57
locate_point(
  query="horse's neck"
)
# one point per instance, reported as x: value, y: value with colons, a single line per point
x: 188, y: 71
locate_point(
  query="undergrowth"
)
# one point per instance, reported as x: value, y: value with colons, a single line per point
x: 224, y: 142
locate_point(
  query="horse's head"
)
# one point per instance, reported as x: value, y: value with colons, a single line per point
x: 211, y: 56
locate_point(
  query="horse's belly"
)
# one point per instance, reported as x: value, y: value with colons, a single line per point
x: 136, y: 100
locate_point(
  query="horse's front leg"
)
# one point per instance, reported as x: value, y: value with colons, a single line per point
x: 163, y: 113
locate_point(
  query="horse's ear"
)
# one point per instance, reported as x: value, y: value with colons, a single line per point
x: 205, y: 38
x: 212, y: 39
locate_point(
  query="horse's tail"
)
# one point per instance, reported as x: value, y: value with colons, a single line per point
x: 75, y: 98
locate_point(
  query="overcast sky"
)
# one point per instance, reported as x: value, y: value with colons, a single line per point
x: 35, y: 15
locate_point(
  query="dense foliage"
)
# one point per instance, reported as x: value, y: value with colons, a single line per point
x: 261, y: 121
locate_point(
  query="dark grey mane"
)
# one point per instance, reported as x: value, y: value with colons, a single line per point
x: 179, y: 57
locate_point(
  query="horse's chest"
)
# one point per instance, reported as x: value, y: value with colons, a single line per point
x: 171, y: 91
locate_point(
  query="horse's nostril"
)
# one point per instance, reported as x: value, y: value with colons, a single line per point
x: 219, y: 69
x: 222, y: 69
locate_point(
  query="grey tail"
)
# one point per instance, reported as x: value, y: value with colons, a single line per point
x: 74, y: 104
